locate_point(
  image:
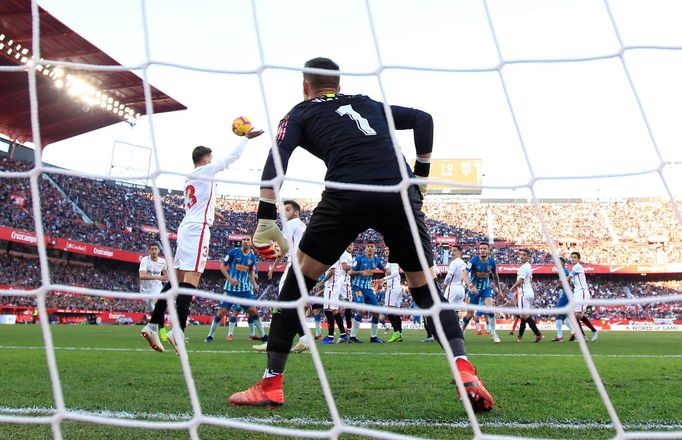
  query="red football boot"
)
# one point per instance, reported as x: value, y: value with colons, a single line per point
x: 480, y: 398
x: 267, y: 392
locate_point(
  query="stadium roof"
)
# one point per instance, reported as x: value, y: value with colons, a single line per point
x: 62, y: 115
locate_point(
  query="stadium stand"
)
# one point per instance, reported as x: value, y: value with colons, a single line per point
x: 122, y: 216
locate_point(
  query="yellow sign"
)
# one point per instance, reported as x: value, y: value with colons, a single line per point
x: 458, y: 171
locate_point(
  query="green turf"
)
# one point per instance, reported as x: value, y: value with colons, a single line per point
x: 403, y: 389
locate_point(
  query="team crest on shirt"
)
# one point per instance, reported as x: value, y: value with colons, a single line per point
x: 282, y: 129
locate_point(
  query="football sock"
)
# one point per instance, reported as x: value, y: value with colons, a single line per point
x: 580, y: 326
x: 375, y: 325
x: 465, y: 322
x: 396, y: 323
x: 383, y: 323
x: 569, y: 325
x: 259, y: 326
x: 182, y: 304
x: 285, y: 323
x: 330, y: 322
x: 448, y: 318
x: 491, y: 323
x: 478, y: 325
x: 348, y: 314
x: 356, y: 326
x: 587, y: 322
x: 233, y: 324
x: 339, y: 322
x: 559, y: 331
x: 160, y: 308
x: 533, y: 327
x: 514, y: 325
x: 214, y: 325
x: 154, y: 327
x: 252, y: 328
x: 522, y: 328
x: 318, y: 325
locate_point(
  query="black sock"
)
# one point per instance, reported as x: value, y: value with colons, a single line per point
x: 533, y: 327
x: 160, y: 308
x: 580, y: 326
x: 588, y: 323
x: 396, y: 323
x: 522, y: 328
x: 339, y: 322
x: 182, y: 304
x: 348, y: 314
x: 285, y: 323
x: 465, y: 323
x: 448, y: 318
x: 330, y: 322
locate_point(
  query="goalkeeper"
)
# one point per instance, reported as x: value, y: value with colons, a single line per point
x: 350, y: 133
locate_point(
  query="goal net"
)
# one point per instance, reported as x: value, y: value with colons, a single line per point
x: 549, y: 94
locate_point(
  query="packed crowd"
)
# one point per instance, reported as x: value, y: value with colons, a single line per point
x: 24, y: 272
x: 123, y: 216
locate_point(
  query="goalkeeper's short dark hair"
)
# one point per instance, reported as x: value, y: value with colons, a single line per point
x: 318, y: 81
x: 199, y: 153
x: 576, y: 253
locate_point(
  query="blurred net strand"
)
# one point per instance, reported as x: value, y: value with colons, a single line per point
x: 379, y: 70
x: 643, y: 115
x: 61, y: 413
x: 548, y: 236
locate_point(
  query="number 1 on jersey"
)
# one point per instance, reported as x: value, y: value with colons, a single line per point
x: 362, y: 123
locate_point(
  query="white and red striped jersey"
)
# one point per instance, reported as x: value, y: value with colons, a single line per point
x: 200, y: 189
x: 293, y: 231
x: 393, y: 280
x: 454, y: 276
x: 578, y: 274
x: 342, y: 278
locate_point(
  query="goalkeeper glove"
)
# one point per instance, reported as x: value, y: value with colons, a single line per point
x: 268, y: 240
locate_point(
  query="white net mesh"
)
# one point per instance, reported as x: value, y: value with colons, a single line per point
x: 504, y: 70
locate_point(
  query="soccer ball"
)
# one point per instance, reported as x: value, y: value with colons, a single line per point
x: 241, y: 125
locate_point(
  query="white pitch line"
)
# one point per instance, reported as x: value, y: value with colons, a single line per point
x: 353, y: 353
x: 385, y: 423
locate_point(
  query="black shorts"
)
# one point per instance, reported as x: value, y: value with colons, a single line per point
x: 342, y: 215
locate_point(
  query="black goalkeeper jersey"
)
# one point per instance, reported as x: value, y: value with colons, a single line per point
x: 350, y: 134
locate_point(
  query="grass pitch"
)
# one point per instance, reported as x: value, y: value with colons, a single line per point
x: 540, y: 390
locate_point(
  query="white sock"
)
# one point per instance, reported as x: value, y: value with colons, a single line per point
x: 303, y: 339
x: 374, y: 330
x: 491, y: 324
x: 356, y: 327
x: 153, y: 327
x: 230, y: 330
x: 559, y: 331
x: 214, y: 327
x: 252, y: 329
x: 259, y: 327
x: 318, y: 328
x: 569, y: 325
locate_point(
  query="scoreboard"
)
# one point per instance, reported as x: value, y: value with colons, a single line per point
x: 463, y: 176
